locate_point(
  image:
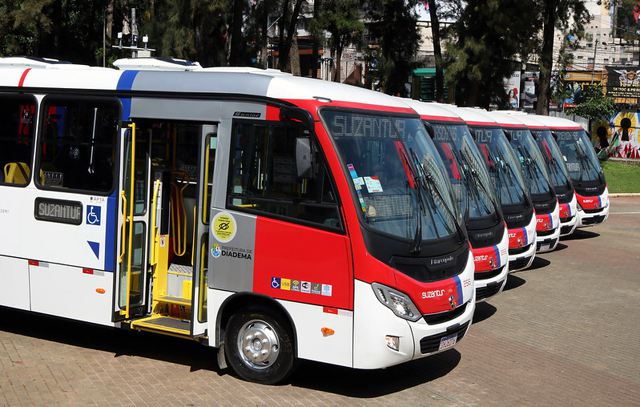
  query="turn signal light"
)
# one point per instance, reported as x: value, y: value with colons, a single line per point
x: 100, y: 290
x: 327, y: 331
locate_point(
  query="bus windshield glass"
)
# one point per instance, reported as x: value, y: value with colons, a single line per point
x: 533, y: 167
x: 468, y: 175
x: 399, y: 181
x: 553, y: 157
x: 503, y: 167
x: 581, y: 159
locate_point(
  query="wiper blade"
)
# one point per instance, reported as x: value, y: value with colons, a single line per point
x: 417, y: 236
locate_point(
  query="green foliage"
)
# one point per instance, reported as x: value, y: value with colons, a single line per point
x: 491, y: 35
x: 343, y: 20
x: 593, y: 104
x: 393, y: 24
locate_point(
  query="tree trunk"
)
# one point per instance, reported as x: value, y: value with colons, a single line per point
x: 264, y: 25
x: 109, y: 20
x: 337, y: 74
x: 235, y: 56
x: 546, y: 58
x: 282, y: 62
x: 437, y: 52
x: 314, y: 53
x: 294, y: 57
x: 291, y: 30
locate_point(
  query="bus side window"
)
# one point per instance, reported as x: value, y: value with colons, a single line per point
x: 17, y: 124
x: 263, y: 176
x: 77, y: 150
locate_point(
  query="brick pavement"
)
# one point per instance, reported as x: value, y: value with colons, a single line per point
x: 563, y: 333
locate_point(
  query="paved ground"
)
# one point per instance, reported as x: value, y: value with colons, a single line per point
x: 564, y: 333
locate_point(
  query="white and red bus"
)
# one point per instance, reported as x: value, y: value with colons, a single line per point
x: 509, y: 184
x: 584, y: 169
x: 474, y: 192
x: 535, y: 173
x: 271, y: 216
x: 557, y: 170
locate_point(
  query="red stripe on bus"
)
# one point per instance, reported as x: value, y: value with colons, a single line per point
x: 23, y: 77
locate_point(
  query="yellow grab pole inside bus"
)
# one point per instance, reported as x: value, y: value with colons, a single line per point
x: 130, y: 217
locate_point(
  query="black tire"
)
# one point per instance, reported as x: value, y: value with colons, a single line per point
x: 260, y: 320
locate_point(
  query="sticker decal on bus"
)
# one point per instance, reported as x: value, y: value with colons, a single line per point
x: 224, y: 227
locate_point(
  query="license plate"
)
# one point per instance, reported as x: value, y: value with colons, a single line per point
x: 448, y: 341
x: 545, y: 246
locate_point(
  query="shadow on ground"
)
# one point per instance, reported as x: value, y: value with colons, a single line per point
x: 483, y: 311
x: 538, y: 263
x: 373, y: 383
x: 116, y: 341
x: 313, y: 375
x: 513, y: 282
x: 580, y: 234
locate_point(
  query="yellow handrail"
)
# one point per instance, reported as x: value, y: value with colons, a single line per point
x: 178, y: 220
x: 124, y: 224
x: 130, y: 217
x: 154, y: 227
x: 205, y: 184
x: 193, y: 237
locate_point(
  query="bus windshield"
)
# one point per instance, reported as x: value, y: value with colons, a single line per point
x: 503, y: 167
x: 469, y: 177
x: 555, y: 162
x: 581, y: 159
x: 399, y: 181
x: 533, y: 167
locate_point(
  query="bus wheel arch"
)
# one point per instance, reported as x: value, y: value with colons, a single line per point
x: 245, y: 319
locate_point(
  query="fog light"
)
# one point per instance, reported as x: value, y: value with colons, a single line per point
x: 393, y: 342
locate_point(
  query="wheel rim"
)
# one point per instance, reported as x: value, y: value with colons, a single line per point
x: 258, y: 344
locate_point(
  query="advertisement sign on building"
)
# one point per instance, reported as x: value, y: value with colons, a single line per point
x: 623, y: 82
x: 512, y: 88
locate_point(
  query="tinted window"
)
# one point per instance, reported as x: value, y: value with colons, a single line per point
x: 17, y: 122
x: 78, y: 145
x: 264, y: 176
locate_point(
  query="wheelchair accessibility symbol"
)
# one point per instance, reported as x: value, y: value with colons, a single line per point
x: 93, y: 215
x: 275, y: 282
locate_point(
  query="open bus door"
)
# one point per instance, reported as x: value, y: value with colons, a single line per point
x: 133, y: 230
x: 162, y: 284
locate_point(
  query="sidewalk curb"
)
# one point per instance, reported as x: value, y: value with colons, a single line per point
x: 624, y: 195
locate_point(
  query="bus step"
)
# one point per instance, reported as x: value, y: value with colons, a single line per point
x: 164, y: 324
x: 174, y: 300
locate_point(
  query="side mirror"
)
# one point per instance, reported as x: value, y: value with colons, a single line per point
x: 555, y: 136
x: 508, y: 135
x: 429, y: 129
x: 304, y: 157
x: 297, y: 115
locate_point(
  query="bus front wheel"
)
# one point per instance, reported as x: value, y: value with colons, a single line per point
x: 259, y: 345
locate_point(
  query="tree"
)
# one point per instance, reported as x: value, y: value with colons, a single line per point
x: 556, y: 14
x: 288, y: 28
x: 593, y: 104
x: 437, y: 52
x: 342, y: 19
x: 492, y: 37
x: 393, y: 24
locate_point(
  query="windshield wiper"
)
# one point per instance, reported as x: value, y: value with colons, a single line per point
x: 473, y: 175
x: 426, y: 176
x: 417, y: 236
x: 582, y: 156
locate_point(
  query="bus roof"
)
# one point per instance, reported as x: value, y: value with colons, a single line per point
x: 227, y: 80
x: 433, y: 111
x: 474, y: 116
x: 557, y: 123
x: 531, y: 121
x: 507, y: 120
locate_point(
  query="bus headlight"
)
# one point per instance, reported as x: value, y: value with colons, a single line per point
x: 398, y: 302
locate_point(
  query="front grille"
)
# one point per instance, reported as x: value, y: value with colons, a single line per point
x: 518, y: 250
x: 565, y: 220
x: 485, y: 275
x: 517, y: 264
x: 565, y: 229
x: 593, y: 210
x: 430, y: 344
x: 549, y: 243
x: 488, y: 291
x: 545, y: 232
x: 593, y: 221
x: 433, y: 319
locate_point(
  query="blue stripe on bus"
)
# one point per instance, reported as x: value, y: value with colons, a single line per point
x: 459, y: 289
x: 126, y: 83
x: 110, y: 238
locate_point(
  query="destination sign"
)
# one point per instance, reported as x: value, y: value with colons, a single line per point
x: 57, y: 210
x: 362, y: 125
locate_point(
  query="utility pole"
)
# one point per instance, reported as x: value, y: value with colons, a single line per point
x: 135, y: 50
x: 595, y: 52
